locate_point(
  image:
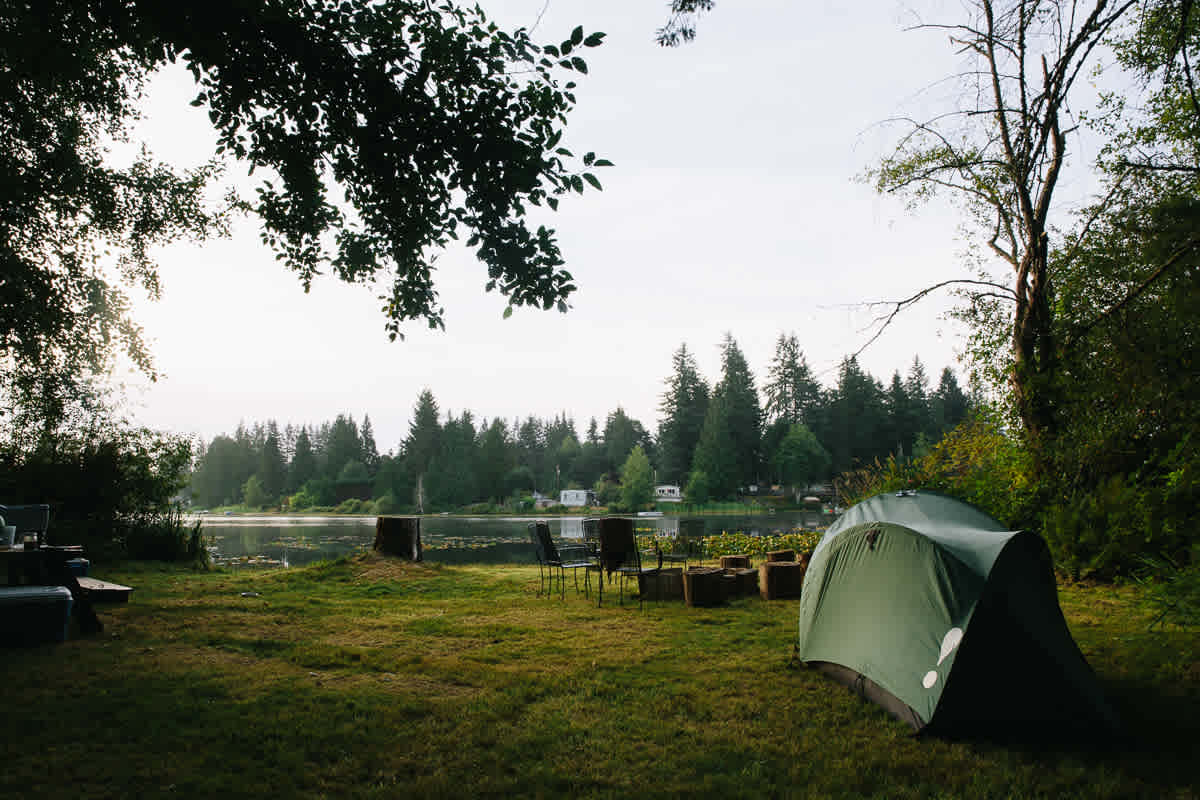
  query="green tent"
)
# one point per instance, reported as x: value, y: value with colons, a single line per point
x: 930, y: 608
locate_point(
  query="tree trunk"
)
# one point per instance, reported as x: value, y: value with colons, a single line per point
x: 399, y: 536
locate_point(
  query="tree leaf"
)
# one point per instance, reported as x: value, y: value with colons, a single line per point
x: 580, y: 64
x: 590, y: 178
x: 507, y: 311
x: 602, y: 162
x: 594, y: 40
x: 577, y: 35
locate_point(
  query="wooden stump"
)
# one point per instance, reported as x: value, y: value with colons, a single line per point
x: 745, y: 582
x: 666, y: 584
x: 779, y: 579
x: 781, y: 555
x: 399, y: 536
x: 703, y: 586
x: 735, y: 562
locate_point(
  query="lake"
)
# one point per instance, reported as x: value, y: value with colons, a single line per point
x: 272, y: 541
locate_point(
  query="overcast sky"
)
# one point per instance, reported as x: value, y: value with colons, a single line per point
x: 733, y: 206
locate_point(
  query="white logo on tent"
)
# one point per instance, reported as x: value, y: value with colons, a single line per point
x: 949, y: 642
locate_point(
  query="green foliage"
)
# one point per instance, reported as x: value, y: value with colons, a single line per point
x: 800, y: 459
x: 683, y: 407
x: 107, y: 487
x: 1174, y: 591
x: 252, y: 493
x: 355, y: 505
x: 166, y: 537
x: 976, y: 462
x: 637, y: 480
x: 729, y: 543
x: 697, y: 490
x: 386, y: 504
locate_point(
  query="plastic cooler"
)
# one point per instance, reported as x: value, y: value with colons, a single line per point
x: 34, y: 614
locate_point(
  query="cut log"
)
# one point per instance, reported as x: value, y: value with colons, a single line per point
x: 781, y: 555
x: 779, y: 579
x: 745, y: 582
x: 735, y: 562
x: 399, y: 536
x: 665, y: 584
x: 704, y: 586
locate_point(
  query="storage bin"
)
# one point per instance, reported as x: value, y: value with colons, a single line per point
x: 78, y: 567
x: 34, y: 614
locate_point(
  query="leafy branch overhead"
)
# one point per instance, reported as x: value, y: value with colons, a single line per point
x: 384, y: 131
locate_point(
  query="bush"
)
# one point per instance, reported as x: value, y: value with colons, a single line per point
x: 386, y: 504
x: 165, y: 537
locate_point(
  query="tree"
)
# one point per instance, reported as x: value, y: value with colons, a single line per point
x: 423, y: 119
x: 342, y: 445
x: 424, y: 434
x: 272, y: 470
x: 637, y: 480
x: 791, y: 391
x: 948, y: 405
x: 495, y: 460
x: 304, y: 462
x: 253, y: 494
x: 857, y: 418
x: 621, y: 434
x: 367, y: 447
x: 683, y: 407
x: 1001, y: 155
x: 728, y: 450
x: 801, y: 460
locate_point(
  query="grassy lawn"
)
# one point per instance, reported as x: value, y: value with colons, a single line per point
x: 370, y: 678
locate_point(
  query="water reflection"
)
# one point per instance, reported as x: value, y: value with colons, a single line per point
x: 258, y: 541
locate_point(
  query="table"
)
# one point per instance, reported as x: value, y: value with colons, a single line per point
x: 47, y: 566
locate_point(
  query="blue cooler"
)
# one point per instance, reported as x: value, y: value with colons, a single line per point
x: 34, y: 614
x: 78, y: 567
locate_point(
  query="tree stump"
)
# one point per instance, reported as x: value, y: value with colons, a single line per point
x: 399, y: 536
x: 779, y: 579
x: 745, y: 582
x: 735, y: 562
x: 781, y: 555
x: 665, y: 584
x: 703, y: 586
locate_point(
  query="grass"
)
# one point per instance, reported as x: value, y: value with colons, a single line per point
x: 374, y: 678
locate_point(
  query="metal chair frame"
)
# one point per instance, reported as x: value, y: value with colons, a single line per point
x: 551, y: 557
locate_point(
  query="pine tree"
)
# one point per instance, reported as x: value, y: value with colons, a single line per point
x: 684, y: 405
x: 792, y: 393
x: 272, y: 471
x: 728, y: 451
x: 304, y: 462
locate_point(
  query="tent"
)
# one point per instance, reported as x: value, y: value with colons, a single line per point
x: 932, y: 609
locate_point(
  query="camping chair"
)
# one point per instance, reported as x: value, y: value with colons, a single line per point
x: 619, y: 554
x: 551, y: 557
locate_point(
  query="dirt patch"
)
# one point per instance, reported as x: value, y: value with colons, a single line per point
x: 374, y: 567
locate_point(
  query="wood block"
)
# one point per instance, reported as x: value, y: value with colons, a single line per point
x: 779, y: 579
x: 665, y: 584
x: 703, y: 586
x: 781, y: 555
x: 735, y: 562
x: 745, y: 582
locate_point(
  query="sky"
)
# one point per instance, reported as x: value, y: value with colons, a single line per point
x: 734, y: 206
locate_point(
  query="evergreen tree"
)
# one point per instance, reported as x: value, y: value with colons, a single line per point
x: 901, y: 427
x: 791, y: 391
x: 495, y: 460
x: 916, y: 385
x: 800, y: 459
x: 453, y: 471
x: 272, y: 470
x: 367, y: 447
x: 948, y: 405
x: 857, y: 419
x: 683, y: 407
x: 728, y: 451
x: 342, y: 446
x: 424, y: 439
x: 621, y: 434
x: 304, y: 462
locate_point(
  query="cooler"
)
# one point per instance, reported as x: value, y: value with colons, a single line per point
x: 34, y: 614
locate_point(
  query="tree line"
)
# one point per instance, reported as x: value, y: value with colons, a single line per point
x: 717, y: 440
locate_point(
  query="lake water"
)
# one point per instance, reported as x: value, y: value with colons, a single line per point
x: 293, y: 541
